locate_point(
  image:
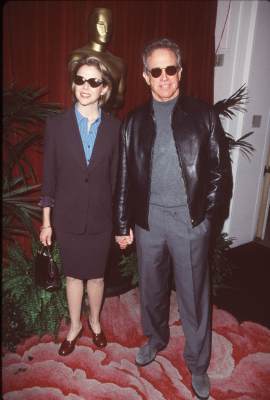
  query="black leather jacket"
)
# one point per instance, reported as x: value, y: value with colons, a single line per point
x: 203, y: 154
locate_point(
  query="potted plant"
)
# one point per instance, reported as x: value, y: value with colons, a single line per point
x: 23, y: 117
x: 24, y: 114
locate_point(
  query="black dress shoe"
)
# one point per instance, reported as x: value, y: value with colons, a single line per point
x: 201, y: 385
x: 99, y: 339
x: 145, y: 355
x: 67, y: 346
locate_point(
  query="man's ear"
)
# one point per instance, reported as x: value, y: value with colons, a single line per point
x: 146, y: 78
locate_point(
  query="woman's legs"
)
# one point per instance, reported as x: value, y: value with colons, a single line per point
x: 95, y: 290
x: 74, y: 292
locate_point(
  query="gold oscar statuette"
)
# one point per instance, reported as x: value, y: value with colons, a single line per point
x: 100, y: 31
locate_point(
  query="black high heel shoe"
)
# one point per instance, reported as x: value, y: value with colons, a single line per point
x: 99, y: 339
x: 67, y: 346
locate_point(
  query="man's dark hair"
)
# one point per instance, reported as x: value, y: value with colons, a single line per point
x: 163, y: 43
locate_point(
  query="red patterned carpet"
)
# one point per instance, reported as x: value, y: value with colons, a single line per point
x: 240, y: 365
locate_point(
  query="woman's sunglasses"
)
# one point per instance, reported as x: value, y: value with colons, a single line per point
x: 93, y: 82
x: 170, y: 70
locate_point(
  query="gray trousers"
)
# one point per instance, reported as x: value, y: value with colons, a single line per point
x: 171, y: 236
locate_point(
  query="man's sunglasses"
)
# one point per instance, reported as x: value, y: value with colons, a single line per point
x: 170, y: 70
x: 93, y: 82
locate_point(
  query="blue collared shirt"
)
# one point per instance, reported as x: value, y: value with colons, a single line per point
x: 88, y: 136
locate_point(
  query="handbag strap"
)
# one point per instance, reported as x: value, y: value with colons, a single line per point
x: 47, y: 249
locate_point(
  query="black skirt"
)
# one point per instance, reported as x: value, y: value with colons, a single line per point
x: 84, y: 256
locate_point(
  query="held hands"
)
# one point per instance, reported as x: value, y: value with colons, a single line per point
x: 124, y: 241
x: 45, y: 235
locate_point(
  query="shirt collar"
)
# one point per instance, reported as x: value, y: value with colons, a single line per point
x: 80, y: 117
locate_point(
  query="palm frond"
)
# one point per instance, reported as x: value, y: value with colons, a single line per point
x: 9, y: 166
x: 22, y: 199
x: 21, y: 190
x: 10, y: 233
x: 236, y: 102
x: 244, y: 146
x: 25, y: 106
x: 25, y: 218
x: 30, y: 169
x: 12, y: 182
x: 18, y: 208
x: 16, y: 157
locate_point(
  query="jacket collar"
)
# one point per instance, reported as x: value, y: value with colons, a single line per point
x: 80, y: 117
x: 179, y: 113
x: 179, y: 106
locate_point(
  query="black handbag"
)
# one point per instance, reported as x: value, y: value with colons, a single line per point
x: 46, y: 271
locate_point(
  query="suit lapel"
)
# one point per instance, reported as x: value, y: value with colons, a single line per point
x: 100, y: 142
x: 74, y: 140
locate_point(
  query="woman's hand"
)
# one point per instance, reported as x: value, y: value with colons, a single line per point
x: 46, y: 235
x: 124, y: 241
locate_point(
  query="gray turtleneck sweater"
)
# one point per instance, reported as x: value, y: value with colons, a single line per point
x: 167, y: 185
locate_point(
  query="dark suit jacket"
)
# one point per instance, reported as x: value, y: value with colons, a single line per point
x: 82, y: 194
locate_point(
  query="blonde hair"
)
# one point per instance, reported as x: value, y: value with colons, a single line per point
x: 75, y: 65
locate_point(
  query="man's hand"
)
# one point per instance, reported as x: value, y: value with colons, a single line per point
x: 124, y: 241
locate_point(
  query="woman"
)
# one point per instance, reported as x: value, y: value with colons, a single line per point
x: 80, y: 164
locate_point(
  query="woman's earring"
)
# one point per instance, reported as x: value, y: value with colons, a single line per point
x: 101, y: 98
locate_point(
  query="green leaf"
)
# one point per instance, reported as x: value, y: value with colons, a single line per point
x: 24, y: 189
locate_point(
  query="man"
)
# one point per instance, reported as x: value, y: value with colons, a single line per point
x: 173, y: 159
